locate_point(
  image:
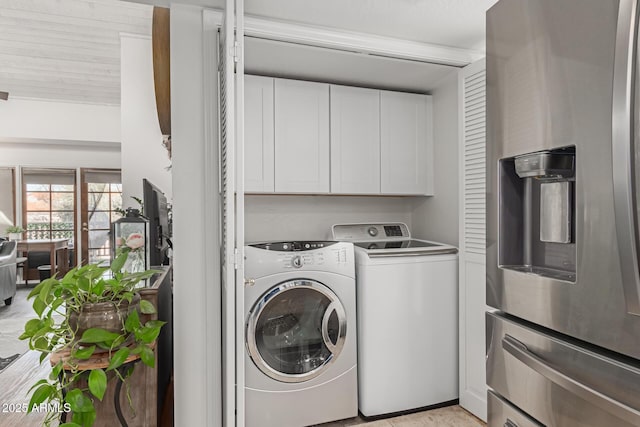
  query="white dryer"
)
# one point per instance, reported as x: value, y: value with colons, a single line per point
x: 407, y: 293
x: 300, y: 311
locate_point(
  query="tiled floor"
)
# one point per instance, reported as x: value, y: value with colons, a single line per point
x: 450, y: 416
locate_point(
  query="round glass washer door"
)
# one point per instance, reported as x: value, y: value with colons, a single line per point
x: 296, y: 330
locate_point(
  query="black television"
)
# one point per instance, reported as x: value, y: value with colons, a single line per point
x: 156, y: 211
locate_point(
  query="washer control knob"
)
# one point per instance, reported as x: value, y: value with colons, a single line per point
x: 373, y: 232
x: 307, y: 246
x: 296, y: 261
x: 285, y: 247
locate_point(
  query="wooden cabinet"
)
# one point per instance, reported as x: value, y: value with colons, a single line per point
x: 147, y: 386
x: 258, y: 134
x: 406, y: 141
x: 355, y: 140
x: 301, y: 137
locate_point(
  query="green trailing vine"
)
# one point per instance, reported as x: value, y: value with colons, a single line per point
x: 69, y: 388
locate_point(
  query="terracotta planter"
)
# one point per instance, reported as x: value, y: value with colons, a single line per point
x: 105, y: 315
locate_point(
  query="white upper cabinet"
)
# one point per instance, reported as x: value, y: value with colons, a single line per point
x: 258, y: 134
x: 355, y: 140
x: 316, y: 138
x: 406, y: 144
x: 301, y: 137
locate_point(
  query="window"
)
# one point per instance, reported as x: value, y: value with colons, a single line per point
x: 102, y: 189
x: 49, y: 202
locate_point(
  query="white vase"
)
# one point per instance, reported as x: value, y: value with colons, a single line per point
x: 15, y: 236
x: 135, y: 262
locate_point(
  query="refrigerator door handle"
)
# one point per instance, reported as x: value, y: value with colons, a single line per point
x: 539, y: 365
x: 623, y: 153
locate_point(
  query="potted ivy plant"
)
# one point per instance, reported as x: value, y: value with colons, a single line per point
x: 92, y: 309
x: 15, y: 232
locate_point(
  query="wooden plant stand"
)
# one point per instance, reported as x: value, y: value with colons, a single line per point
x: 142, y: 393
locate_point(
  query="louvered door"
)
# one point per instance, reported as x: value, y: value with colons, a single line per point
x: 227, y: 252
x: 472, y: 238
x: 231, y: 92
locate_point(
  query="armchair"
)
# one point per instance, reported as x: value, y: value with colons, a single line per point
x: 8, y: 252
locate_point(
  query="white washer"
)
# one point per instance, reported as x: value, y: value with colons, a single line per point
x: 300, y: 311
x: 407, y: 302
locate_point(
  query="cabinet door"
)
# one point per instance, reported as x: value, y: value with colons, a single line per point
x: 258, y: 134
x: 355, y: 140
x: 301, y: 137
x: 406, y: 143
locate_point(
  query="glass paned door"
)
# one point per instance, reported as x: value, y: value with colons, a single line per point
x: 101, y: 205
x: 7, y: 199
x: 296, y: 330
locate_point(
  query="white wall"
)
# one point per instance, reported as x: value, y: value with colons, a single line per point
x: 269, y: 217
x: 196, y: 262
x: 59, y: 155
x: 30, y: 119
x: 143, y: 155
x: 38, y: 133
x: 436, y: 218
x: 57, y: 135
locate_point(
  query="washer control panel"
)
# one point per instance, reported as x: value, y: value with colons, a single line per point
x: 294, y: 246
x: 294, y: 261
x: 297, y: 262
x: 299, y: 256
x: 371, y: 232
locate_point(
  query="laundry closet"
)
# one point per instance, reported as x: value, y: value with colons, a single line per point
x: 333, y: 135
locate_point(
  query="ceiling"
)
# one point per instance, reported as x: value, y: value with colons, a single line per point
x: 289, y: 60
x: 69, y: 50
x: 66, y: 50
x: 454, y: 23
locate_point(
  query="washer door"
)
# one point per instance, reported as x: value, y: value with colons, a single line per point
x: 296, y: 330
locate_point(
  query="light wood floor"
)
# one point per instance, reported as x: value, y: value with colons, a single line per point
x: 450, y: 416
x: 16, y: 380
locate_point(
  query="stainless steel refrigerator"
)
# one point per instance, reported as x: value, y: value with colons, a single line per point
x: 563, y: 220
